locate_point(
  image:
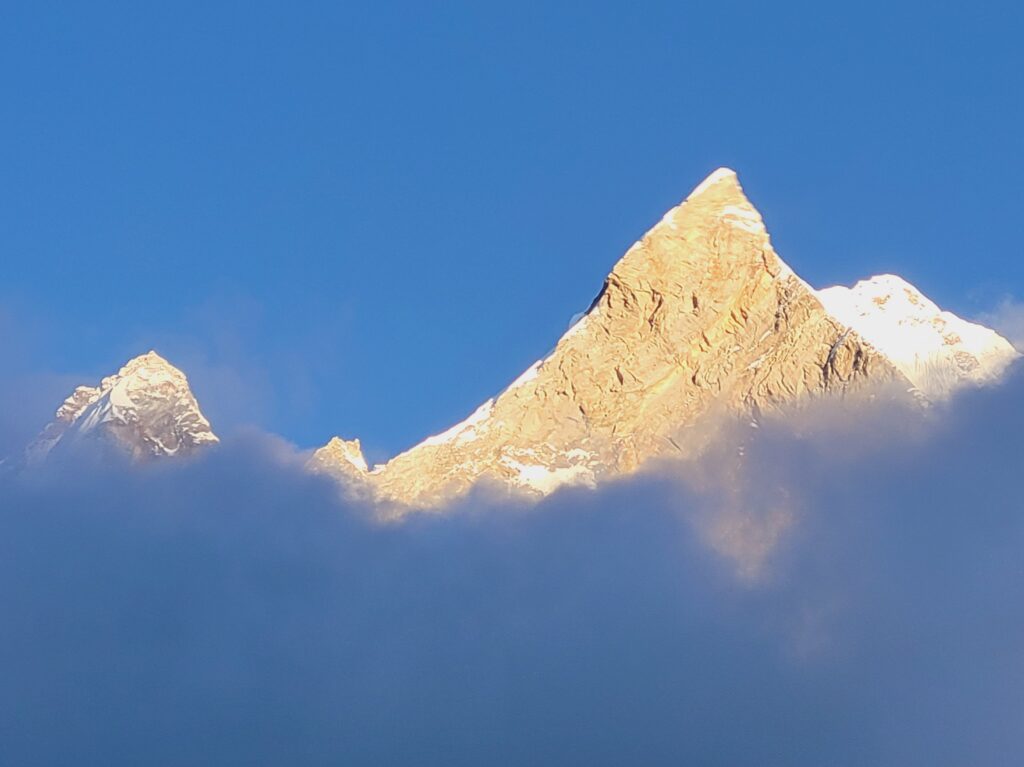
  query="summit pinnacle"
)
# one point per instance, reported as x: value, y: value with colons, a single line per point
x: 146, y: 408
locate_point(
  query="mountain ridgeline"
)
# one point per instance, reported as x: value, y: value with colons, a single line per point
x: 699, y: 318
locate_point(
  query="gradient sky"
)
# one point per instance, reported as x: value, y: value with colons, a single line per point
x: 365, y: 218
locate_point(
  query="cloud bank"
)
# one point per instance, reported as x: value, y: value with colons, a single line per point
x: 843, y: 590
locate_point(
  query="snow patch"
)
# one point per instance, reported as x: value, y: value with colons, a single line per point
x: 463, y: 431
x: 527, y: 375
x: 545, y: 479
x: 745, y: 218
x: 936, y: 350
x: 718, y: 175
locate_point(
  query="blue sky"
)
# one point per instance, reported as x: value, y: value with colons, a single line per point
x: 365, y: 218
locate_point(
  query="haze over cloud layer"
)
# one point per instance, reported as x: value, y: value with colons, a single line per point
x: 838, y: 590
x: 1008, y: 320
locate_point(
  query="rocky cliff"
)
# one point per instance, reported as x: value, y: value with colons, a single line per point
x: 700, y: 316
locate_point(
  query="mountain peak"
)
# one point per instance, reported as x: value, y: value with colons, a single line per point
x: 717, y: 200
x: 150, y: 361
x: 721, y: 176
x: 347, y: 451
x: 147, y: 408
x: 936, y: 350
x: 149, y: 358
x: 699, y: 315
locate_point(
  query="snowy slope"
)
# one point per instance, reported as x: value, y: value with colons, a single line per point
x: 146, y: 408
x: 935, y: 349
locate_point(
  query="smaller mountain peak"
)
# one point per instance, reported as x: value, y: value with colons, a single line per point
x: 889, y: 281
x: 146, y: 407
x: 149, y: 359
x: 884, y: 292
x: 149, y: 369
x: 348, y: 450
x: 936, y: 350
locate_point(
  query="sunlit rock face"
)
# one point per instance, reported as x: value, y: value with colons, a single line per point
x: 699, y: 320
x: 146, y: 409
x: 699, y: 317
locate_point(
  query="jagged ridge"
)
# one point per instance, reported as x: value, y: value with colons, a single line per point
x: 147, y: 408
x: 699, y: 315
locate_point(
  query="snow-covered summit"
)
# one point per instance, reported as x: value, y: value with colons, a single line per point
x: 147, y: 408
x: 936, y: 350
x: 716, y: 176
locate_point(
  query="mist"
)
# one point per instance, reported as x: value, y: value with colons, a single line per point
x: 840, y: 589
